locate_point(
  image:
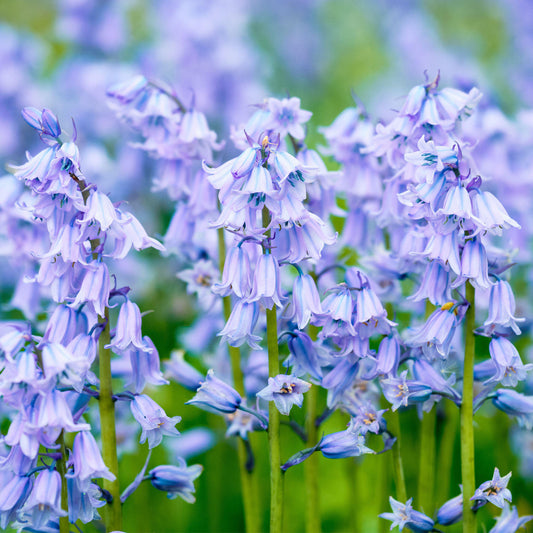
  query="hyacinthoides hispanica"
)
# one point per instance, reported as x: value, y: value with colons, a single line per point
x: 78, y: 226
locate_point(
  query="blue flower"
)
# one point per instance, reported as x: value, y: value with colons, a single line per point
x: 286, y: 391
x: 347, y: 443
x: 514, y: 403
x: 509, y: 521
x: 216, y: 396
x: 451, y: 512
x: 403, y: 515
x: 494, y: 491
x: 176, y: 480
x: 509, y: 369
x: 401, y: 392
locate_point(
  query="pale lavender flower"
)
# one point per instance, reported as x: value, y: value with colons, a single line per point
x: 285, y: 391
x: 176, y: 480
x: 266, y: 285
x: 153, y: 420
x: 216, y: 396
x: 181, y: 371
x: 240, y: 325
x: 402, y: 392
x: 451, y: 511
x: 494, y: 491
x: 509, y: 369
x: 305, y: 300
x: 516, y: 404
x: 502, y: 307
x: 128, y: 332
x: 200, y: 280
x: 403, y: 515
x: 509, y: 521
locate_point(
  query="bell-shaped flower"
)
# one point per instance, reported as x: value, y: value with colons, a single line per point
x: 13, y: 494
x: 99, y: 209
x: 94, y: 288
x: 502, y: 307
x: 514, y: 403
x: 266, y: 285
x: 215, y: 396
x: 401, y: 392
x: 286, y: 117
x: 87, y: 460
x: 368, y: 418
x: 435, y: 285
x: 200, y: 279
x: 426, y: 373
x: 337, y: 316
x: 403, y: 515
x: 285, y: 391
x: 450, y: 512
x: 64, y: 324
x: 153, y: 420
x: 145, y: 366
x: 305, y: 300
x: 44, y: 501
x: 494, y: 491
x: 176, y: 480
x: 54, y: 415
x: 82, y: 505
x: 474, y: 265
x: 437, y: 331
x: 509, y: 521
x: 303, y: 358
x: 240, y: 325
x: 508, y: 364
x: 490, y: 213
x: 457, y: 202
x: 128, y: 331
x: 347, y: 443
x: 236, y: 275
x: 182, y: 372
x: 388, y: 357
x: 444, y: 248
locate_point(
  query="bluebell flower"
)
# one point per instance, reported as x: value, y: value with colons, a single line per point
x: 236, y: 275
x: 94, y: 288
x: 509, y: 369
x: 451, y: 511
x: 494, y: 491
x: 474, y: 265
x: 403, y: 515
x: 347, y: 443
x: 145, y: 366
x: 176, y: 480
x: 128, y: 331
x: 437, y: 331
x: 44, y: 121
x: 426, y: 373
x: 509, y: 521
x: 304, y: 357
x: 337, y: 317
x: 388, y: 357
x: 435, y: 285
x: 12, y: 497
x: 87, y: 461
x: 99, y: 209
x: 266, y: 285
x: 240, y: 325
x: 368, y: 418
x: 490, y: 213
x: 502, y: 307
x: 182, y: 372
x: 200, y: 279
x: 401, y: 392
x: 153, y: 420
x: 82, y: 504
x: 44, y: 501
x: 305, y: 300
x: 286, y: 117
x: 444, y: 248
x: 216, y: 396
x: 285, y: 391
x: 516, y: 404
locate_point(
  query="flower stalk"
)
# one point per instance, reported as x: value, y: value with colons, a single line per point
x: 467, y: 415
x: 113, y: 510
x: 64, y: 526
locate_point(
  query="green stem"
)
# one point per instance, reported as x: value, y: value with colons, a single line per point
x: 446, y: 450
x: 312, y: 502
x: 249, y: 501
x: 113, y: 510
x: 276, y: 479
x: 64, y: 526
x: 467, y: 415
x: 426, y: 473
x: 397, y: 465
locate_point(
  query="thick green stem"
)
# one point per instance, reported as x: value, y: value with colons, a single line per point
x: 426, y: 473
x: 251, y: 511
x: 113, y: 510
x: 397, y: 465
x: 467, y: 415
x: 276, y: 479
x: 64, y: 526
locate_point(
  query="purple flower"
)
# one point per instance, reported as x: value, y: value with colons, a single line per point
x: 94, y: 288
x: 240, y: 325
x: 286, y: 117
x: 303, y: 358
x: 145, y: 366
x: 388, y: 357
x: 368, y: 418
x: 508, y: 365
x: 494, y: 491
x: 305, y: 300
x: 502, y: 307
x: 490, y: 213
x: 403, y: 515
x: 176, y: 480
x: 87, y: 460
x: 285, y: 391
x: 451, y: 512
x: 44, y: 502
x: 516, y: 404
x: 435, y: 285
x: 401, y: 391
x: 216, y: 396
x: 236, y: 275
x: 181, y: 371
x: 200, y: 279
x: 474, y: 265
x: 509, y: 521
x: 266, y: 286
x: 347, y: 443
x: 128, y: 332
x: 153, y: 420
